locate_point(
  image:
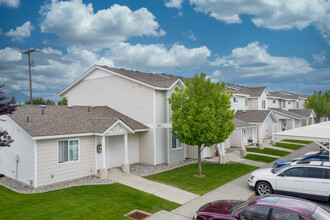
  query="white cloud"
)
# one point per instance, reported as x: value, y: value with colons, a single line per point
x: 174, y: 4
x: 10, y: 3
x: 191, y: 36
x: 254, y: 60
x: 50, y: 50
x: 9, y: 54
x: 319, y: 58
x: 272, y: 14
x: 21, y: 32
x: 158, y: 56
x: 76, y: 23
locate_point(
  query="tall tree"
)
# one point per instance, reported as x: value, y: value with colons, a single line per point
x: 13, y: 100
x: 64, y: 101
x: 320, y: 103
x: 201, y: 114
x: 5, y: 108
x: 40, y: 101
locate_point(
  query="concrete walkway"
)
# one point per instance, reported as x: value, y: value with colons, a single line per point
x: 235, y: 190
x: 236, y: 157
x: 280, y: 148
x: 158, y: 189
x: 266, y: 155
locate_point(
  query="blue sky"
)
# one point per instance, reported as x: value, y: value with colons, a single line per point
x: 283, y: 45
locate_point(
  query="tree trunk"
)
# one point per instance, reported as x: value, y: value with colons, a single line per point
x: 199, y: 160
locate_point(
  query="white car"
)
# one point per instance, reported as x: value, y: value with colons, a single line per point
x: 310, y: 180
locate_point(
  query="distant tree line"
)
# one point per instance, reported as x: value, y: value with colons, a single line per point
x: 41, y: 101
x: 320, y: 103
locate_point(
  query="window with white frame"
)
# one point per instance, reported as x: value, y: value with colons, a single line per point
x: 235, y: 99
x: 289, y: 102
x: 68, y: 150
x: 284, y: 104
x: 274, y: 101
x: 297, y: 105
x: 246, y: 102
x: 263, y: 104
x: 176, y: 144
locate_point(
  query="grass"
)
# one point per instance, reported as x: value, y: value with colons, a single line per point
x: 268, y: 151
x: 289, y: 146
x: 83, y: 202
x: 297, y: 141
x: 260, y: 158
x: 216, y: 175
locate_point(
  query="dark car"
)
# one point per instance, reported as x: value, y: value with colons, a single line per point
x: 267, y: 207
x: 313, y: 157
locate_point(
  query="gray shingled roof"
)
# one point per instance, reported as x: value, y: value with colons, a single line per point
x: 158, y: 80
x: 290, y: 113
x: 252, y: 91
x: 303, y: 112
x: 257, y: 116
x: 284, y: 95
x: 241, y: 124
x: 61, y: 120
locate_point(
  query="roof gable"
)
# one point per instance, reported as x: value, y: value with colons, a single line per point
x: 255, y: 116
x: 155, y: 81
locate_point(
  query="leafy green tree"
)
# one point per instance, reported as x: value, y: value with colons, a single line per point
x: 320, y: 103
x: 40, y: 101
x: 201, y: 114
x: 64, y: 101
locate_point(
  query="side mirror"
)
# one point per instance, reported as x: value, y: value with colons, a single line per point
x: 281, y: 174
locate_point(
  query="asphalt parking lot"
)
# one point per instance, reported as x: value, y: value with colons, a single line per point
x: 298, y: 153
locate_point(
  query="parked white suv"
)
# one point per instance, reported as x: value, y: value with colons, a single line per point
x: 309, y: 180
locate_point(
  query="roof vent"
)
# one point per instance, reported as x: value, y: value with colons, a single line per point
x: 93, y: 106
x: 43, y: 112
x: 27, y: 120
x: 89, y: 109
x: 42, y: 106
x: 244, y: 111
x: 69, y: 106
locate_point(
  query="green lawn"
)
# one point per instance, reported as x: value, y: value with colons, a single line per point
x: 84, y: 202
x: 216, y: 175
x: 268, y: 151
x: 260, y: 158
x: 297, y: 141
x: 289, y: 146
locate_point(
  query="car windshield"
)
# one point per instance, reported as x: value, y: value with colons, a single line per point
x: 241, y: 205
x: 320, y: 214
x: 279, y: 169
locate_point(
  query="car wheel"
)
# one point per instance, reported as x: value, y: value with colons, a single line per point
x: 263, y: 188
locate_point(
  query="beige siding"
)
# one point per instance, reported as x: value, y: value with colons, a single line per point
x: 253, y: 104
x: 50, y: 171
x: 128, y: 97
x: 147, y: 147
x: 23, y: 146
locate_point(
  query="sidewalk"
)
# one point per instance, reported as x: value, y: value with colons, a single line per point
x: 158, y: 189
x: 235, y: 190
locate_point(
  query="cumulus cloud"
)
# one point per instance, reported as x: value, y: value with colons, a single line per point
x: 76, y: 23
x: 174, y: 4
x: 272, y: 14
x: 158, y: 56
x: 254, y: 60
x: 9, y: 54
x: 319, y: 58
x: 10, y: 3
x: 21, y: 32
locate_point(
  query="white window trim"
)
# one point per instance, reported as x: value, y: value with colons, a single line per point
x: 74, y: 161
x: 236, y: 99
x: 177, y: 148
x: 274, y: 101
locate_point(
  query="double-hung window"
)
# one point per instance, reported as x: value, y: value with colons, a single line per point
x: 176, y: 144
x: 68, y: 150
x: 263, y: 104
x: 235, y: 99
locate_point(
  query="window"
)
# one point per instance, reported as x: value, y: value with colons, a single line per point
x: 235, y: 100
x: 263, y: 104
x: 284, y: 104
x: 281, y: 214
x: 294, y: 172
x: 246, y: 102
x: 274, y: 101
x: 176, y: 144
x: 289, y: 102
x: 297, y: 105
x: 68, y: 150
x: 314, y: 172
x: 255, y: 212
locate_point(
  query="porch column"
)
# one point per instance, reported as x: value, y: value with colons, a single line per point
x: 292, y: 123
x: 243, y: 151
x: 312, y: 121
x: 273, y: 131
x: 307, y: 121
x: 253, y: 138
x: 125, y: 167
x: 104, y: 170
x: 222, y: 156
x: 259, y: 134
